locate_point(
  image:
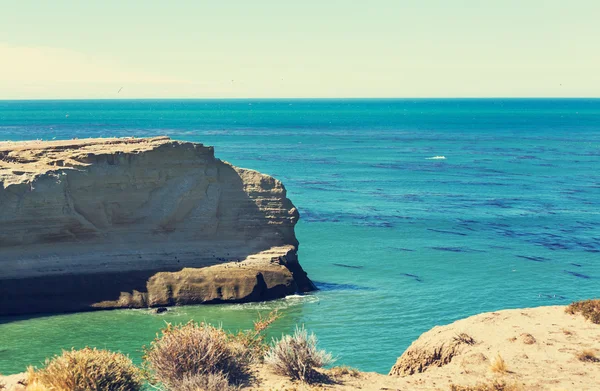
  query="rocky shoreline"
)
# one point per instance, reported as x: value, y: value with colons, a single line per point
x: 129, y: 223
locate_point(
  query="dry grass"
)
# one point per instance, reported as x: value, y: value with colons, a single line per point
x: 296, y: 356
x: 464, y: 338
x: 499, y: 365
x: 254, y: 340
x: 493, y: 386
x: 195, y: 350
x: 209, y: 382
x: 35, y: 386
x: 201, y: 356
x: 587, y: 356
x: 590, y: 309
x: 344, y: 371
x: 86, y: 369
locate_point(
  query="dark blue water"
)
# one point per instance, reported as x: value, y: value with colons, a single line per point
x: 510, y: 218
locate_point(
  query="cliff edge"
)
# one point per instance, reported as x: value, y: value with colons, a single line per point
x: 532, y: 349
x: 111, y: 223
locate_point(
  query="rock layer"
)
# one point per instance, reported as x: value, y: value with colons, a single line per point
x: 103, y: 223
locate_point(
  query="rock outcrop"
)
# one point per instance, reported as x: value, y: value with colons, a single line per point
x: 540, y: 349
x: 106, y: 223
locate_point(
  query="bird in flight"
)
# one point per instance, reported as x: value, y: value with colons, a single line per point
x: 118, y: 92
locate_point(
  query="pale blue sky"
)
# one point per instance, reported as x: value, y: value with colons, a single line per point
x: 279, y: 48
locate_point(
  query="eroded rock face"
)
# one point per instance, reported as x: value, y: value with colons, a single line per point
x: 540, y: 348
x: 88, y: 222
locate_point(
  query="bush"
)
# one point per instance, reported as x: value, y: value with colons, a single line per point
x: 297, y: 355
x: 590, y: 309
x: 193, y: 351
x: 208, y: 382
x: 87, y: 370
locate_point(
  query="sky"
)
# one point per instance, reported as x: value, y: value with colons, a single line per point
x: 69, y: 49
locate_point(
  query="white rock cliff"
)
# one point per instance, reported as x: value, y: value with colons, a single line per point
x: 89, y: 223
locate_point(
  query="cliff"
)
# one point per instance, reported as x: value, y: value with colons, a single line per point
x: 106, y: 223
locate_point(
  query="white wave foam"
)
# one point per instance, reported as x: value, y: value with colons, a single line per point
x: 288, y: 301
x: 436, y: 158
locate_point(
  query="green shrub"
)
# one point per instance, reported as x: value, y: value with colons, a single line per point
x: 296, y: 356
x: 87, y: 370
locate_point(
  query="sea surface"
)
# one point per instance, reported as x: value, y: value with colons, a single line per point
x: 398, y: 241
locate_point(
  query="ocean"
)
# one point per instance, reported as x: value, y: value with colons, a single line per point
x: 414, y: 213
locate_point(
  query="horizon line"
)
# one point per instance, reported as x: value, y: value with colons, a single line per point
x: 308, y: 98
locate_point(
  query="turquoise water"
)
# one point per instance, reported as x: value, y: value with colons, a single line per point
x: 509, y: 219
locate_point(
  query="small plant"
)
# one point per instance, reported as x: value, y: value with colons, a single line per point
x: 587, y: 356
x: 464, y: 338
x: 297, y: 356
x: 499, y: 365
x: 86, y: 369
x: 590, y: 309
x: 344, y: 370
x: 493, y: 386
x: 254, y: 340
x: 195, y: 350
x: 208, y: 382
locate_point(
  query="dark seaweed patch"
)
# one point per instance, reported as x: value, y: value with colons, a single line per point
x: 413, y: 276
x: 348, y: 266
x: 447, y: 232
x: 457, y: 249
x: 533, y: 258
x: 332, y: 286
x: 585, y: 276
x: 499, y: 247
x: 553, y: 245
x: 401, y: 249
x: 498, y: 203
